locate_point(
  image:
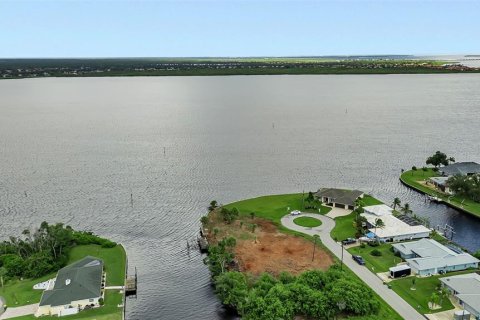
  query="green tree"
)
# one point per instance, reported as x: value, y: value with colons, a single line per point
x: 204, y: 220
x: 378, y: 224
x: 232, y: 289
x: 434, y: 299
x: 396, y: 202
x: 443, y: 293
x: 213, y: 205
x: 406, y: 209
x: 316, y: 237
x: 439, y: 158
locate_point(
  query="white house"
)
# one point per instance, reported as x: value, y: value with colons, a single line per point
x: 428, y: 257
x: 77, y: 286
x: 394, y: 229
x: 465, y: 288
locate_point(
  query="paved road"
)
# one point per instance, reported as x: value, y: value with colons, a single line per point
x: 393, y: 299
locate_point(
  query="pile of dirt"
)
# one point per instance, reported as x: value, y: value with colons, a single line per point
x: 274, y: 252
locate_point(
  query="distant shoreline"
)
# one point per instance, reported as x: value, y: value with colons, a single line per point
x: 42, y: 68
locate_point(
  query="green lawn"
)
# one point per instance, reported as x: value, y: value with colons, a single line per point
x: 307, y: 222
x: 370, y: 201
x: 419, y: 298
x: 381, y: 263
x: 273, y: 207
x: 345, y: 226
x: 21, y: 292
x: 412, y: 179
x: 110, y: 311
x: 113, y: 258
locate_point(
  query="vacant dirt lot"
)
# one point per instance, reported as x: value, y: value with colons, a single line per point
x: 268, y: 250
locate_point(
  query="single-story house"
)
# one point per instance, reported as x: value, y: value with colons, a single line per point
x: 339, y: 198
x: 428, y: 257
x: 76, y: 286
x: 461, y: 168
x: 465, y: 288
x: 394, y: 229
x: 440, y: 183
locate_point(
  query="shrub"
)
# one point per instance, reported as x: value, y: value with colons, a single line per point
x: 101, y: 302
x: 373, y: 244
x: 363, y: 245
x: 376, y: 253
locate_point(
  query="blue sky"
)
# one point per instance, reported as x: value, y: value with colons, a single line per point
x: 236, y: 28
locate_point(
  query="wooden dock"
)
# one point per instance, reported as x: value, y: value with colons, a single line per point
x: 131, y: 285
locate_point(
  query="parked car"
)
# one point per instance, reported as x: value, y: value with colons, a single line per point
x: 359, y: 260
x: 349, y: 241
x: 295, y: 212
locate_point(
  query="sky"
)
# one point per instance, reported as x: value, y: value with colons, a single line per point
x: 236, y: 28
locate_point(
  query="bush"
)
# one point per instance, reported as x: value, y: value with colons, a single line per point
x: 83, y: 238
x: 363, y: 245
x: 376, y: 253
x: 101, y: 302
x: 373, y: 244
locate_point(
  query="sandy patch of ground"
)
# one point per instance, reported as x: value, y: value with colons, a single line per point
x: 275, y: 252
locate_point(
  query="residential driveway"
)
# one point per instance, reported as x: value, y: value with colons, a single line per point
x: 393, y: 299
x: 337, y: 212
x: 19, y: 311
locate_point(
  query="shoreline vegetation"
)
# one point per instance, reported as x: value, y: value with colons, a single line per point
x: 125, y: 67
x: 38, y: 255
x: 464, y: 189
x: 412, y: 178
x: 262, y: 270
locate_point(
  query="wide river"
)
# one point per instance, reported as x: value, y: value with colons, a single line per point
x: 73, y: 150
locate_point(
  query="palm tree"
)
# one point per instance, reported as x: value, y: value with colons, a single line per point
x: 315, y: 237
x: 434, y: 299
x: 378, y: 224
x: 396, y: 202
x: 444, y: 293
x: 406, y: 209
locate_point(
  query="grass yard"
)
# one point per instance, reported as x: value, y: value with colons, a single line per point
x: 273, y: 207
x: 412, y: 179
x: 377, y: 264
x: 370, y: 201
x: 110, y: 311
x: 307, y: 222
x: 420, y: 297
x: 345, y: 226
x: 113, y: 258
x: 21, y: 292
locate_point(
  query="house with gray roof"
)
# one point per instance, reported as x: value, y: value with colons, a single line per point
x: 460, y: 168
x: 339, y: 198
x: 428, y: 257
x: 465, y: 288
x: 76, y: 287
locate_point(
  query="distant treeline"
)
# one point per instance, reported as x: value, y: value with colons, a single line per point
x: 43, y: 250
x: 28, y: 68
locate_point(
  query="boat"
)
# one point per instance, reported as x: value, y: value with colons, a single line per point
x: 434, y: 199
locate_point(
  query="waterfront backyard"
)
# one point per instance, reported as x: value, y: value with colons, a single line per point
x: 20, y: 292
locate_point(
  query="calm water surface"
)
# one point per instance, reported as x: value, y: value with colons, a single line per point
x: 73, y: 150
